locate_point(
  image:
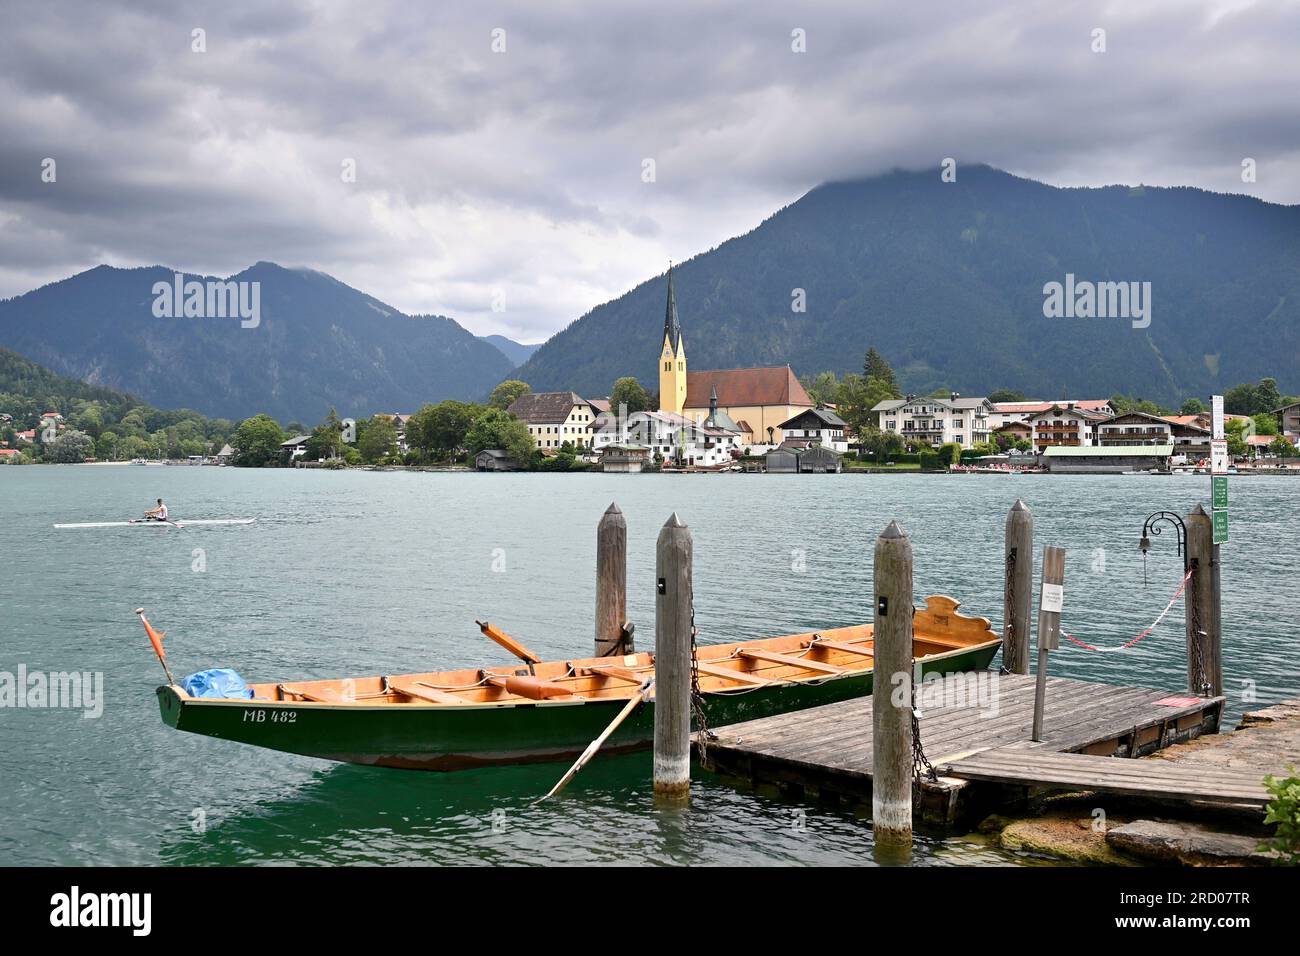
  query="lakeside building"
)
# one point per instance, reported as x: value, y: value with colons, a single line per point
x: 1288, y: 420
x: 820, y: 426
x: 1105, y: 459
x: 294, y: 448
x: 1135, y: 428
x: 1006, y: 413
x: 556, y: 417
x: 494, y: 459
x: 757, y: 400
x: 671, y: 437
x: 928, y: 420
x: 1065, y: 425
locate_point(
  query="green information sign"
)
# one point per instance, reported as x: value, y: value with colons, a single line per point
x: 1219, y: 483
x: 1220, y: 527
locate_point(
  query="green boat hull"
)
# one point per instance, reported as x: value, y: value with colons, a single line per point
x: 442, y: 737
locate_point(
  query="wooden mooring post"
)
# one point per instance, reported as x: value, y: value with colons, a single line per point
x: 1204, y: 646
x: 674, y: 557
x: 1018, y: 588
x: 891, y: 711
x: 612, y: 636
x: 1051, y: 600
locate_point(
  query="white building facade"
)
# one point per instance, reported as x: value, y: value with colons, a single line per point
x: 927, y: 420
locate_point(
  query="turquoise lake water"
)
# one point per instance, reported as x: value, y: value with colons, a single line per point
x: 350, y: 573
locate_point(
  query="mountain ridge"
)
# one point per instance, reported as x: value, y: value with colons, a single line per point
x: 319, y: 343
x: 946, y: 280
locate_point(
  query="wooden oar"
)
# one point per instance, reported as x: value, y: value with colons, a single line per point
x: 637, y: 699
x: 509, y: 643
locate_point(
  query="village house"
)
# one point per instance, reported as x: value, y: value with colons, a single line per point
x: 1065, y: 425
x: 1006, y: 413
x: 820, y: 426
x: 1135, y: 428
x: 925, y: 420
x: 1288, y: 420
x: 294, y: 448
x: 554, y: 418
x: 672, y: 438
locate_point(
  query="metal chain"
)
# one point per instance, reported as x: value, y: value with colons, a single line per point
x: 1009, y: 587
x: 920, y: 763
x: 1200, y: 678
x: 697, y: 697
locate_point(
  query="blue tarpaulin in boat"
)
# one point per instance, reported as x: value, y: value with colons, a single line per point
x: 217, y: 682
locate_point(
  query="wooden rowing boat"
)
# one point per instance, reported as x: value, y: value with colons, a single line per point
x: 551, y: 710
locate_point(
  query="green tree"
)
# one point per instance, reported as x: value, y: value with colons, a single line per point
x: 1235, y: 431
x: 875, y: 366
x: 1240, y: 400
x: 497, y: 428
x: 441, y: 429
x: 1006, y: 395
x: 1281, y: 447
x: 1193, y: 406
x: 823, y: 388
x: 376, y: 438
x: 504, y: 395
x: 1265, y: 424
x: 257, y: 440
x: 71, y: 446
x: 628, y: 391
x: 326, y: 438
x: 1267, y: 396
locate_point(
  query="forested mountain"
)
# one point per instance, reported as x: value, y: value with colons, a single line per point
x: 318, y: 344
x: 947, y: 281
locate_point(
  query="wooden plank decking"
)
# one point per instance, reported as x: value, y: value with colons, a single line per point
x: 1145, y: 778
x: 829, y: 749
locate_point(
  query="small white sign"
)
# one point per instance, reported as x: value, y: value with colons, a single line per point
x: 1218, y: 457
x: 1053, y: 597
x: 1216, y: 417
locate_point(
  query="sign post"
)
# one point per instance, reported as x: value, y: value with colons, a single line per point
x: 1051, y: 603
x: 1219, y: 464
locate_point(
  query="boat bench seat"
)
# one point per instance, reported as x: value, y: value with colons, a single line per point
x: 422, y: 691
x: 774, y: 658
x: 318, y: 696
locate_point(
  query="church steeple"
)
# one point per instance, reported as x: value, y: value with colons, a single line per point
x: 672, y: 357
x: 672, y: 327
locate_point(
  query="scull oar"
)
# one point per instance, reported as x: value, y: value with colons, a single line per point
x: 172, y: 524
x: 510, y: 644
x: 637, y: 699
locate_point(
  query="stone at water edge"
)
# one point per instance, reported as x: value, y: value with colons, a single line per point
x: 1190, y: 844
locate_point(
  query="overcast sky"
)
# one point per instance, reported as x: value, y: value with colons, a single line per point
x: 519, y: 174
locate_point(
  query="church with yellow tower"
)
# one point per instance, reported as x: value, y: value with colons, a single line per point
x: 757, y: 400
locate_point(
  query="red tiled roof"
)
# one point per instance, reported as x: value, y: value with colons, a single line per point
x: 600, y: 403
x: 10, y: 451
x: 1027, y: 408
x: 738, y: 387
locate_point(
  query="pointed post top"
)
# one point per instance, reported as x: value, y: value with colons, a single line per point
x: 1199, y: 510
x: 674, y: 522
x: 613, y: 509
x: 893, y: 530
x: 1019, y: 506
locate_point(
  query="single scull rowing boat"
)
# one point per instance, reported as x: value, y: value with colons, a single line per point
x: 142, y: 523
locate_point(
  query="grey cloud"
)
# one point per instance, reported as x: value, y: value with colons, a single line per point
x: 522, y: 171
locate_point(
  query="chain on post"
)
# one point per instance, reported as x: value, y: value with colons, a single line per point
x: 701, y: 719
x: 1009, y: 587
x: 920, y: 763
x: 1199, y: 677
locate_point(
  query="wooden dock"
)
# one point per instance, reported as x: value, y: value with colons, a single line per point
x: 975, y: 730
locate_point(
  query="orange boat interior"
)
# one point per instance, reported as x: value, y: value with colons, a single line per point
x: 723, y: 668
